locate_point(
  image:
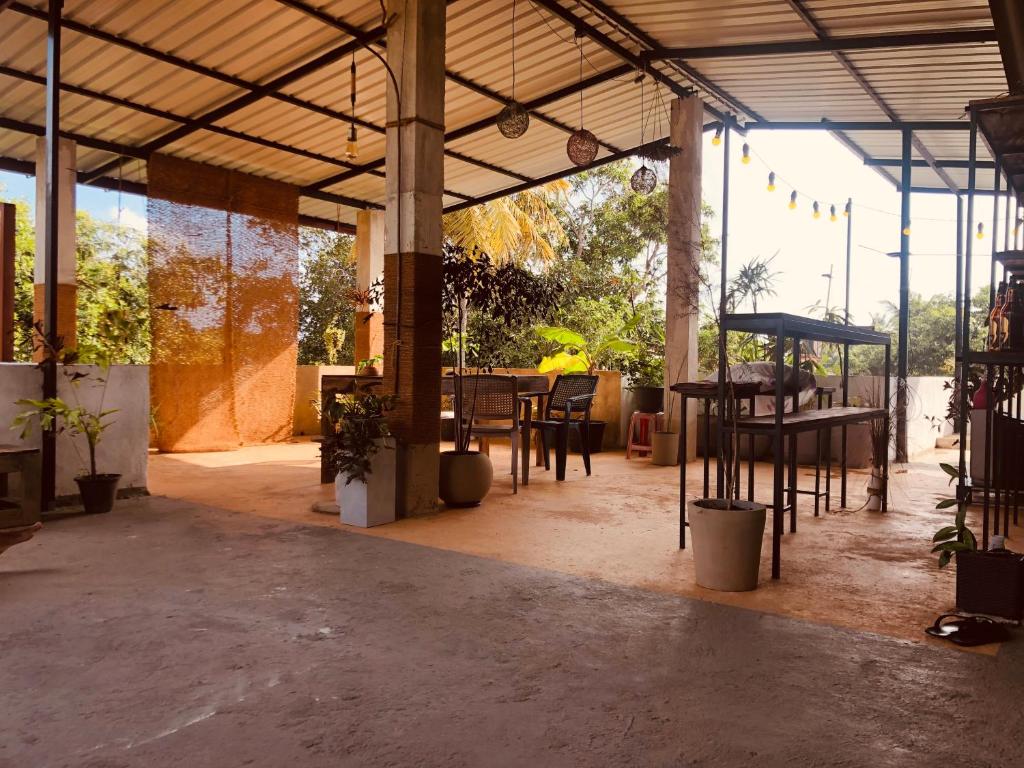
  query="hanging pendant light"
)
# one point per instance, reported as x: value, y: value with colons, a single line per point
x: 352, y: 145
x: 644, y: 179
x: 582, y: 145
x: 513, y: 120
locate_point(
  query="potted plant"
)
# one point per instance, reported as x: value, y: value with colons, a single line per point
x: 665, y: 441
x: 81, y: 417
x: 571, y: 352
x: 362, y: 454
x: 727, y: 532
x: 881, y: 438
x: 990, y: 583
x: 646, y: 371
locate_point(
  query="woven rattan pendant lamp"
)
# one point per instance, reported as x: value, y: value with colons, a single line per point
x: 513, y: 120
x: 582, y: 144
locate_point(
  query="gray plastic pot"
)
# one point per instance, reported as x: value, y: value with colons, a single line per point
x: 726, y: 543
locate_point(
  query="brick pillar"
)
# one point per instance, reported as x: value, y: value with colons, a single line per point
x: 7, y: 214
x: 67, y: 289
x: 412, y: 260
x: 369, y: 326
x: 682, y: 285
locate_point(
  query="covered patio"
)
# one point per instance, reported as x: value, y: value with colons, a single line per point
x: 225, y: 615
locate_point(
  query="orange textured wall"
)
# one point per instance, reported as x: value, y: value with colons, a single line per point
x: 224, y: 264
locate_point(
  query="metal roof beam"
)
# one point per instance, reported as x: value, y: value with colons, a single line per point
x: 820, y: 32
x: 689, y: 72
x: 828, y: 45
x: 488, y: 122
x: 865, y: 125
x: 621, y: 154
x: 896, y: 162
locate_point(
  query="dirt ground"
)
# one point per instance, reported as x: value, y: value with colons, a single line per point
x: 171, y: 634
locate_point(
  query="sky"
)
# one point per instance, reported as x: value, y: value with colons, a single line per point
x: 761, y: 224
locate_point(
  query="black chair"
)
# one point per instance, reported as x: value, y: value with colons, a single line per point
x: 568, y: 408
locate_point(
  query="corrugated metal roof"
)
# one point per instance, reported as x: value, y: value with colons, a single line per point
x: 191, y: 56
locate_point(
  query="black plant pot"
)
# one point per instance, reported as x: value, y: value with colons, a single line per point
x: 991, y: 583
x: 649, y: 399
x: 596, y: 437
x: 98, y: 492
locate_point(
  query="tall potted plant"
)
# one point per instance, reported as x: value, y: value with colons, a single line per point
x: 727, y: 532
x: 362, y: 453
x: 80, y: 417
x: 508, y: 294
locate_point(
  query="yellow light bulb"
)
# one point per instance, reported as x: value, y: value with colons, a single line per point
x: 717, y: 138
x: 817, y: 213
x: 746, y: 160
x: 832, y: 213
x: 746, y: 154
x: 981, y: 231
x: 792, y: 201
x: 771, y: 181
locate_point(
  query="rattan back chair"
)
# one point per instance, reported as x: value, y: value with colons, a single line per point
x: 496, y: 398
x: 568, y: 408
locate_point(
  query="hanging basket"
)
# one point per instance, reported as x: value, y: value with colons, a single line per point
x: 513, y: 120
x: 582, y: 147
x: 658, y: 153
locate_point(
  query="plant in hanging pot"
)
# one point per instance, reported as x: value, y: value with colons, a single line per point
x: 83, y: 415
x: 370, y: 366
x: 362, y: 453
x: 727, y: 532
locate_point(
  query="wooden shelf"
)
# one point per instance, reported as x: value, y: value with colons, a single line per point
x: 1012, y: 260
x: 804, y: 328
x: 811, y: 421
x: 995, y: 358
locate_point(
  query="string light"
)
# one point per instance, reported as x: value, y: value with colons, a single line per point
x: 817, y: 211
x: 717, y: 138
x: 906, y: 229
x: 746, y: 154
x: 1016, y: 228
x: 981, y: 230
x: 832, y: 213
x: 846, y: 210
x: 792, y: 201
x: 771, y: 181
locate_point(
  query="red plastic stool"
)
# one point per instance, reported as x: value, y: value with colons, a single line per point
x: 641, y: 427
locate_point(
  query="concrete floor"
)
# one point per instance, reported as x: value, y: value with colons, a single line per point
x: 169, y: 634
x: 853, y: 569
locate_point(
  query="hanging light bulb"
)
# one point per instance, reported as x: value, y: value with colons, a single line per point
x: 817, y: 210
x: 846, y: 210
x: 981, y: 231
x: 352, y: 145
x: 771, y: 181
x: 832, y: 213
x: 906, y: 229
x: 746, y: 154
x: 1016, y: 228
x: 792, y: 200
x: 717, y: 138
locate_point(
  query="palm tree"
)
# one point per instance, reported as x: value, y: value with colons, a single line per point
x: 754, y: 281
x: 521, y: 227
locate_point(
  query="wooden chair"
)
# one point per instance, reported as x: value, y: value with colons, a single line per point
x: 568, y: 408
x: 494, y: 398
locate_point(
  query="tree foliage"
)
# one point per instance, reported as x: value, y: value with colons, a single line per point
x: 327, y: 280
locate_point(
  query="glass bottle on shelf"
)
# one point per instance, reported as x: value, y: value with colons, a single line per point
x: 1008, y: 317
x: 994, y: 322
x: 1017, y: 319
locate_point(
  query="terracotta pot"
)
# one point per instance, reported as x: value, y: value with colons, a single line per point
x: 726, y: 543
x: 98, y: 492
x: 665, y: 449
x: 465, y: 478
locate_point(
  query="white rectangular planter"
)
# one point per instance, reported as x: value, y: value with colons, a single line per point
x: 373, y: 502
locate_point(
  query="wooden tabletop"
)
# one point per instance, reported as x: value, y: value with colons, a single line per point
x: 809, y: 421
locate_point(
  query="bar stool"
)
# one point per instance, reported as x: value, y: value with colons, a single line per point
x: 641, y: 427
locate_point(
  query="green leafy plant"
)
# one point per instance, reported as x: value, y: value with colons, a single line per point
x: 75, y: 418
x: 953, y: 539
x: 570, y: 352
x: 370, y: 362
x: 360, y: 426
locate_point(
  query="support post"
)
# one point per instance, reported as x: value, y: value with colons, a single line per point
x: 722, y: 308
x: 846, y: 354
x: 412, y: 260
x: 369, y: 322
x: 682, y: 284
x: 958, y: 346
x: 51, y: 241
x: 965, y: 323
x: 7, y: 216
x: 904, y: 320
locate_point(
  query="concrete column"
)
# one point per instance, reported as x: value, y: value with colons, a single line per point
x: 682, y: 283
x: 67, y: 289
x: 412, y: 260
x: 369, y: 325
